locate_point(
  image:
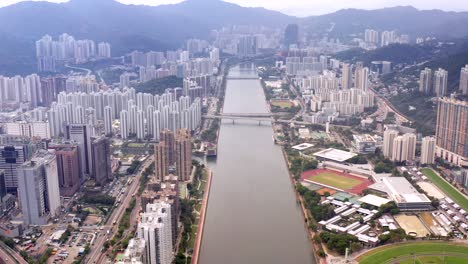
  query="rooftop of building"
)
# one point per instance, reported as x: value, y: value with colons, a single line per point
x: 335, y: 154
x: 398, y: 189
x: 373, y: 200
x: 303, y: 146
x: 364, y: 138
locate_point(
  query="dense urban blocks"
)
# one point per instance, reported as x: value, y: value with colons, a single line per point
x: 419, y: 252
x: 336, y: 180
x: 448, y: 189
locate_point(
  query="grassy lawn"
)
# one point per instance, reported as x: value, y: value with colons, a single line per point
x: 198, y: 207
x: 335, y: 180
x: 446, y: 188
x: 202, y: 186
x: 282, y: 104
x: 193, y: 235
x: 434, y: 260
x: 386, y: 254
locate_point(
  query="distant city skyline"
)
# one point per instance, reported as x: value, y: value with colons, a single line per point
x: 308, y: 7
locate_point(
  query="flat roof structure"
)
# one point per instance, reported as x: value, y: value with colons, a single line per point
x: 374, y: 200
x: 400, y: 190
x: 303, y: 146
x: 335, y: 155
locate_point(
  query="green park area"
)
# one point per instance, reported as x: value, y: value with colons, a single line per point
x: 282, y: 104
x: 448, y: 189
x: 336, y: 180
x: 419, y: 252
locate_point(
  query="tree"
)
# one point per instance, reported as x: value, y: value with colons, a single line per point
x: 321, y: 253
x: 355, y: 247
x: 180, y: 258
x: 359, y: 159
x: 310, y: 164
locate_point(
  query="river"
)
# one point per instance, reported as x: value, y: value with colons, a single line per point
x: 252, y: 214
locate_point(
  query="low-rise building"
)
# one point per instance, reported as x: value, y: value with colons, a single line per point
x: 400, y: 190
x: 364, y: 144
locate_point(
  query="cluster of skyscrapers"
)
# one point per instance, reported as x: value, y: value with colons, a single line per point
x: 157, y: 229
x: 330, y: 96
x: 142, y: 115
x: 17, y: 89
x: 433, y: 84
x: 384, y: 38
x: 174, y: 150
x: 148, y: 121
x: 67, y: 48
x: 399, y: 148
x: 155, y: 65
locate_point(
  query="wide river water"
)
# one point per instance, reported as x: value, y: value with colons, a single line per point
x: 252, y: 214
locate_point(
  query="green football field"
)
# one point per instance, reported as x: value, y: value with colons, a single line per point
x: 419, y: 252
x: 446, y: 188
x: 335, y: 180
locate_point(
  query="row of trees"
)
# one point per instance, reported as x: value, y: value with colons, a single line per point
x: 102, y: 199
x: 312, y: 203
x: 133, y: 167
x: 339, y: 242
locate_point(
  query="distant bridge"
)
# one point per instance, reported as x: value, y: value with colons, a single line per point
x: 242, y: 116
x: 261, y: 117
x: 242, y: 77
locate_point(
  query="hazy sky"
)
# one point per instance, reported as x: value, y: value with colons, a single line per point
x: 313, y: 7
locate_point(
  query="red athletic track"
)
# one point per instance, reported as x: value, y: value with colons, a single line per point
x: 308, y: 175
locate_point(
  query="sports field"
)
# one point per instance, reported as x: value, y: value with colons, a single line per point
x: 282, y: 104
x: 337, y: 180
x: 419, y: 252
x: 446, y: 188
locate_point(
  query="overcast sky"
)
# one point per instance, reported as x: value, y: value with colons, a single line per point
x: 313, y: 7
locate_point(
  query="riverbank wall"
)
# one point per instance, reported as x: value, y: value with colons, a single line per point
x: 201, y: 223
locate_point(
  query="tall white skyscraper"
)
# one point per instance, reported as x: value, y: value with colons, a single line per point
x: 397, y: 149
x: 140, y: 129
x: 108, y: 120
x: 428, y: 150
x: 425, y: 81
x: 388, y: 37
x: 124, y: 124
x: 404, y: 148
x: 104, y: 50
x: 150, y: 120
x: 157, y: 125
x: 389, y: 136
x: 346, y: 77
x: 81, y: 134
x: 464, y: 80
x: 371, y: 36
x: 409, y: 146
x: 132, y: 118
x: 440, y: 82
x: 362, y: 79
x: 38, y: 189
x: 155, y: 228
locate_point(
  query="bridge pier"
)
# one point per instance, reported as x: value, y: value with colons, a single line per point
x: 259, y: 123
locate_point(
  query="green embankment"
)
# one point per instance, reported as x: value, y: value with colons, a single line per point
x: 446, y: 188
x: 455, y: 252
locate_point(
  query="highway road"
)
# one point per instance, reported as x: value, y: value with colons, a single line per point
x: 88, y: 71
x: 95, y: 256
x: 7, y: 255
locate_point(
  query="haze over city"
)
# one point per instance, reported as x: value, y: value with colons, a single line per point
x: 310, y: 7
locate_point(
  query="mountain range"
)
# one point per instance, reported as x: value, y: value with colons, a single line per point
x: 131, y: 27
